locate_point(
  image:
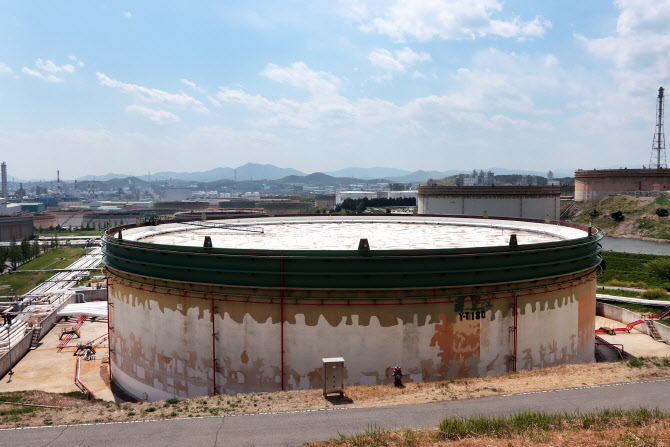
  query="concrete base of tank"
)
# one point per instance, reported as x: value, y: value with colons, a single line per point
x: 170, y: 338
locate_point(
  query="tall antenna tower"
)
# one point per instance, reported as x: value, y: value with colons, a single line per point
x: 658, y: 147
x: 58, y: 180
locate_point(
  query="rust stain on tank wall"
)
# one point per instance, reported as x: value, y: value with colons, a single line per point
x: 458, y: 344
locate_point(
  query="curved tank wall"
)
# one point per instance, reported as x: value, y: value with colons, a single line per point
x: 16, y: 227
x: 599, y: 183
x: 190, y: 321
x: 528, y: 202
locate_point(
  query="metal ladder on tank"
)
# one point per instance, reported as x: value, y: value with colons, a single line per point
x: 35, y: 338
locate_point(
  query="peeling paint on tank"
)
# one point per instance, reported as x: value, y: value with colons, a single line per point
x: 165, y: 341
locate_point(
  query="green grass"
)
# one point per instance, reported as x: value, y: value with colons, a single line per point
x: 58, y: 258
x: 532, y: 426
x: 533, y: 422
x: 631, y: 267
x: 643, y: 217
x: 617, y: 292
x: 17, y: 411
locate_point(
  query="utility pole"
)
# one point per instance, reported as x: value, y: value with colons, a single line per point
x: 658, y: 146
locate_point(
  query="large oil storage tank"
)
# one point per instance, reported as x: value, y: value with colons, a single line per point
x: 254, y: 304
x: 528, y: 202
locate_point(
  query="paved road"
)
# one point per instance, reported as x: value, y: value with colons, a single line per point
x: 288, y: 429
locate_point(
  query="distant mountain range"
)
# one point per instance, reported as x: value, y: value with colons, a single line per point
x: 249, y: 171
x: 255, y: 171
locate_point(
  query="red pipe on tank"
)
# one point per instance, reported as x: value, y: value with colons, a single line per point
x: 109, y: 335
x: 515, y: 330
x: 213, y: 349
x: 281, y: 295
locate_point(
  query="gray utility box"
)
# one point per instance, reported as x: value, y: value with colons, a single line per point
x: 333, y: 376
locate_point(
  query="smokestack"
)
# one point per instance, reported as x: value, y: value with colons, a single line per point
x: 4, y: 180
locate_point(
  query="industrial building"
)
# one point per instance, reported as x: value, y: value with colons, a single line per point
x: 254, y: 304
x: 528, y: 202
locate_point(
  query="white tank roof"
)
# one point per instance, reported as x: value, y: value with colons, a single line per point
x: 344, y: 233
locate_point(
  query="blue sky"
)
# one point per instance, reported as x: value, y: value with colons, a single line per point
x: 95, y: 87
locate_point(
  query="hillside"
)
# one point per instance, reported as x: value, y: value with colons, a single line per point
x: 639, y: 216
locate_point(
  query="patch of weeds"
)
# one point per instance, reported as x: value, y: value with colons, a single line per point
x: 131, y: 413
x: 75, y: 394
x: 173, y: 401
x: 47, y: 421
x: 151, y: 409
x: 174, y: 413
x: 10, y: 397
x: 666, y: 362
x: 16, y: 411
x: 411, y: 438
x: 214, y: 411
x: 636, y: 363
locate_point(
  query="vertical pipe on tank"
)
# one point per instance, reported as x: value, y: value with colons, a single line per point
x: 213, y: 349
x: 281, y: 295
x: 109, y: 334
x: 515, y: 329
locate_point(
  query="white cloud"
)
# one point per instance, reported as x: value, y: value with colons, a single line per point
x: 128, y: 15
x: 192, y: 84
x: 301, y: 76
x: 398, y: 62
x: 635, y: 55
x: 479, y: 89
x: 157, y: 116
x: 213, y: 101
x: 425, y: 20
x: 642, y: 38
x: 383, y: 58
x: 77, y: 61
x: 4, y: 68
x: 153, y: 95
x: 50, y: 67
x: 38, y: 75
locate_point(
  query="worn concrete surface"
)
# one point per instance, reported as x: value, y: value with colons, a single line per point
x: 46, y: 369
x: 636, y: 343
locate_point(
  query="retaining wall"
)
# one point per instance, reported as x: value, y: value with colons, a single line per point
x: 17, y: 352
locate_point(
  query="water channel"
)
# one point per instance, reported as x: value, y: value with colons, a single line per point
x: 635, y: 246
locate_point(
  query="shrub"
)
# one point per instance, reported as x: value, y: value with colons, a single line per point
x: 653, y: 294
x: 617, y: 216
x: 633, y: 284
x: 660, y: 268
x: 661, y: 212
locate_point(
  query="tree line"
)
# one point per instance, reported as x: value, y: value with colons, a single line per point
x: 21, y: 252
x: 361, y: 205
